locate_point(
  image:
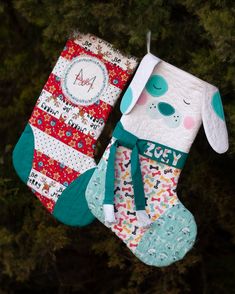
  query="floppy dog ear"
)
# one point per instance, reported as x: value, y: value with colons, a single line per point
x: 138, y: 82
x: 214, y: 121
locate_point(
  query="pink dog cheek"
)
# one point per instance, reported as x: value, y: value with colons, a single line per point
x: 189, y: 122
x: 143, y: 98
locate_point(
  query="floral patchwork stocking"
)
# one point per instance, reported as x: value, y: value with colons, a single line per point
x: 55, y: 154
x: 134, y: 187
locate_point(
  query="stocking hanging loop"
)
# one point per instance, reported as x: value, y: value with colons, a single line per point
x: 148, y: 40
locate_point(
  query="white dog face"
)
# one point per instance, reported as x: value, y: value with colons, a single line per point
x: 168, y: 100
x: 171, y: 108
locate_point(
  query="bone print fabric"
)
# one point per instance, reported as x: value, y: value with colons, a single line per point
x: 68, y: 117
x: 170, y: 218
x: 168, y: 112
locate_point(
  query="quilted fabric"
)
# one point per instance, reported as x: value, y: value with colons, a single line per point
x: 169, y: 111
x: 67, y: 120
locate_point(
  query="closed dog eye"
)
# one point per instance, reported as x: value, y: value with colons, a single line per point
x: 155, y: 87
x: 188, y: 103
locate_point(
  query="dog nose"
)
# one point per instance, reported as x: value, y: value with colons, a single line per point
x: 165, y: 108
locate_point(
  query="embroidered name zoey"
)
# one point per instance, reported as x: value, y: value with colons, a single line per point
x: 164, y: 154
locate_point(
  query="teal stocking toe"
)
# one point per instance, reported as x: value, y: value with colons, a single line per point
x: 71, y: 207
x: 23, y: 154
x: 169, y: 238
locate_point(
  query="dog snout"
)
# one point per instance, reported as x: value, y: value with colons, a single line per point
x: 166, y: 109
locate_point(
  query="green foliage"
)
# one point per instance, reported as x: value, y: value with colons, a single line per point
x: 37, y: 254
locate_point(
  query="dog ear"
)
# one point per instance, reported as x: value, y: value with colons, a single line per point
x: 138, y: 82
x: 214, y: 121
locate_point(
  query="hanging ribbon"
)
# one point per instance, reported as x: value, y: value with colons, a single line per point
x: 125, y: 139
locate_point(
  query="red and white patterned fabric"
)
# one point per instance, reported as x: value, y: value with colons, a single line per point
x: 71, y: 112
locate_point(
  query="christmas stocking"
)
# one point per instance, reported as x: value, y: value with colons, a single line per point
x: 55, y: 154
x: 133, y: 189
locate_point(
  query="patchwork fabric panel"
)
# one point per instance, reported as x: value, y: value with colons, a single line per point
x: 69, y: 116
x: 163, y: 109
x: 160, y: 182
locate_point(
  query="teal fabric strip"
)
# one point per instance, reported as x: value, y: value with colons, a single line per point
x: 126, y: 139
x: 138, y: 185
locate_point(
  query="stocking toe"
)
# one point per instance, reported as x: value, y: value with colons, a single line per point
x: 169, y: 238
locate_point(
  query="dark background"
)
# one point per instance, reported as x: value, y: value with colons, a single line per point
x: 40, y: 255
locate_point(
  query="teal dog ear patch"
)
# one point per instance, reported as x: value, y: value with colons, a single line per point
x: 156, y: 86
x: 217, y: 105
x: 126, y: 100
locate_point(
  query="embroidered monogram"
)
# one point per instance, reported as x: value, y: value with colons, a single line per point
x: 85, y: 80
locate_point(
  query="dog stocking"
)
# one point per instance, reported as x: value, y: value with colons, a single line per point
x: 55, y: 154
x: 133, y: 189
